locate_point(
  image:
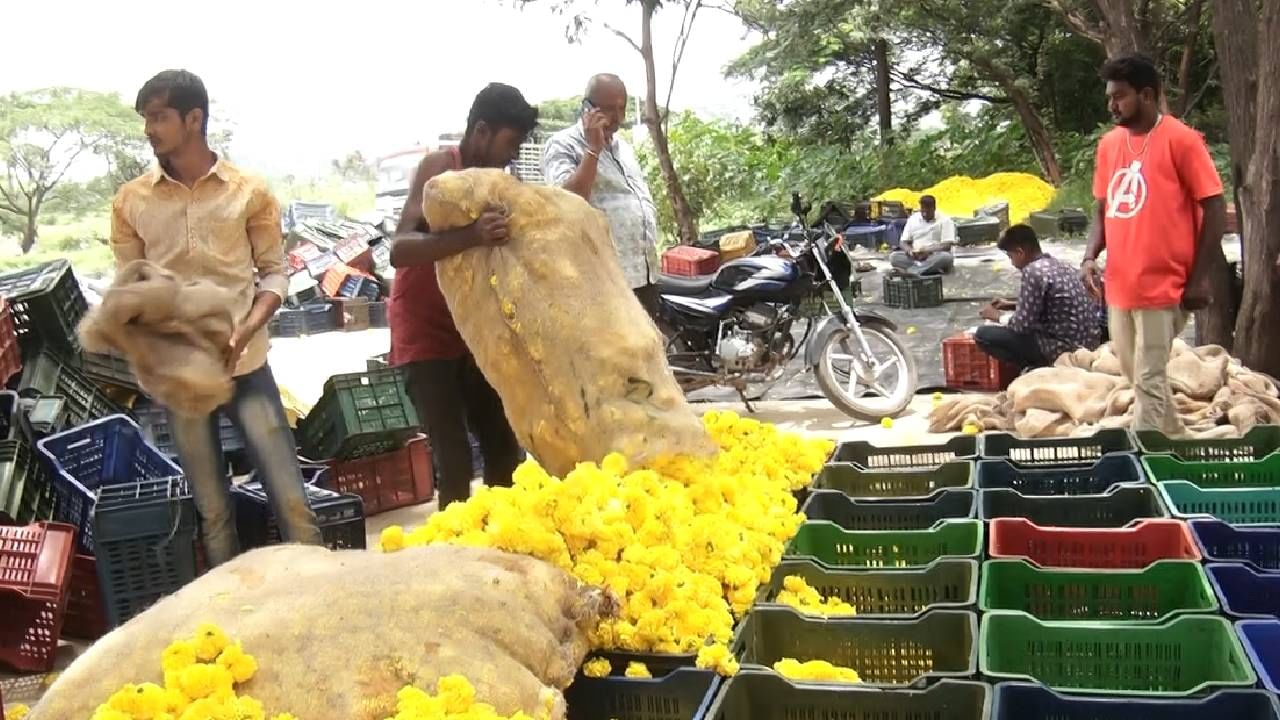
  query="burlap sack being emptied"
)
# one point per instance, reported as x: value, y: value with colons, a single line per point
x: 555, y: 328
x: 337, y: 634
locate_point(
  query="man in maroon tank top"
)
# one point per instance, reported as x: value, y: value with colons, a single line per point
x: 448, y: 390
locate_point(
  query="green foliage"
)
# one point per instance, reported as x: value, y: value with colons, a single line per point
x: 42, y: 134
x: 351, y: 199
x: 354, y: 168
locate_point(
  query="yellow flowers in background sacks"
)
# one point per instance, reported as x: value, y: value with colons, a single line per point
x: 685, y: 542
x: 960, y: 195
x: 802, y: 596
x: 820, y: 670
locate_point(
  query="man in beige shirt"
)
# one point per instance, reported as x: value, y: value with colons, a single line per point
x: 198, y: 216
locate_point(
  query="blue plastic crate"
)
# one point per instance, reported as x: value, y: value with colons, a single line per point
x: 1088, y: 479
x: 1261, y: 640
x: 757, y: 694
x: 145, y: 540
x: 154, y: 421
x: 109, y: 451
x: 1220, y: 542
x: 339, y: 515
x: 1027, y: 701
x: 1245, y: 592
x: 684, y: 694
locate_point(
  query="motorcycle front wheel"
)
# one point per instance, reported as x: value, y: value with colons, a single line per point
x: 866, y: 388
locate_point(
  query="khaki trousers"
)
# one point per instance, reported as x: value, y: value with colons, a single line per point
x: 1142, y: 341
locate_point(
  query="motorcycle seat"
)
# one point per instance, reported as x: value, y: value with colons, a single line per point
x: 684, y: 286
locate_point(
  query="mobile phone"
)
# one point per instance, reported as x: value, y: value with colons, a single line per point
x: 587, y: 106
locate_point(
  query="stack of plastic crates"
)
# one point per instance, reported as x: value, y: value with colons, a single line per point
x: 46, y: 307
x: 154, y: 421
x: 1228, y: 491
x: 10, y: 352
x: 49, y: 375
x: 26, y: 487
x: 386, y: 481
x: 358, y: 415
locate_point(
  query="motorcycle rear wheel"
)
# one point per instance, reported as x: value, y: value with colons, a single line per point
x: 847, y: 382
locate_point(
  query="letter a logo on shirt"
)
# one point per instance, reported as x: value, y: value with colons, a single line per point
x: 1127, y: 192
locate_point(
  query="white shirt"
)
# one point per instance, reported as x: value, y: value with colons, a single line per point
x: 920, y: 235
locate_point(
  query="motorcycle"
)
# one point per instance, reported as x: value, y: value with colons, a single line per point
x: 735, y: 328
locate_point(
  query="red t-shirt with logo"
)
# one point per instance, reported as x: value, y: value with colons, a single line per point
x: 421, y: 326
x: 1151, y: 187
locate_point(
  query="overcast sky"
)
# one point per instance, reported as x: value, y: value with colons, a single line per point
x: 304, y: 84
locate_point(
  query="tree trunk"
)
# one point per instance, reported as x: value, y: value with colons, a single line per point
x: 1188, y: 56
x: 1248, y: 42
x: 686, y: 224
x: 883, y: 107
x: 29, y: 234
x: 1122, y: 30
x: 1037, y: 134
x: 1216, y: 324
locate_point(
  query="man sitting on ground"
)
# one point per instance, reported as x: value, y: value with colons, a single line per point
x: 1054, y: 313
x: 926, y: 241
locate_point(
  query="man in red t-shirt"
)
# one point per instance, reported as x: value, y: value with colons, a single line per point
x: 448, y: 390
x: 1159, y: 214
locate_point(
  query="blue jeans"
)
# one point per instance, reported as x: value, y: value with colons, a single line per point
x: 257, y: 412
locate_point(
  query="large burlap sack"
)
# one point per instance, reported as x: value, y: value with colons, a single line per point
x: 555, y: 328
x: 337, y: 634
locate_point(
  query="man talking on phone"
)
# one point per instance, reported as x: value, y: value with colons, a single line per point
x: 589, y: 159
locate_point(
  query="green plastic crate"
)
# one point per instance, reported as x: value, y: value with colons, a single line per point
x: 834, y: 546
x: 1117, y: 508
x: 26, y: 490
x: 945, y: 584
x: 857, y: 482
x: 359, y: 414
x: 1152, y: 594
x: 912, y: 291
x: 1183, y: 656
x: 1238, y: 506
x: 885, y: 653
x: 907, y: 514
x: 1256, y: 444
x: 766, y: 695
x: 1263, y: 473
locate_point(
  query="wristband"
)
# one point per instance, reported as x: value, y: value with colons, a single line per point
x: 593, y: 153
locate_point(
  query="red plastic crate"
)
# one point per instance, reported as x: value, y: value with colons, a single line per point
x: 1135, y: 546
x: 300, y: 255
x: 689, y: 261
x: 86, y: 617
x: 389, y: 481
x: 355, y: 253
x: 10, y: 353
x: 35, y: 573
x: 968, y: 368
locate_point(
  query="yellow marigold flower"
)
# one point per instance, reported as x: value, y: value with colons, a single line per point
x: 240, y: 664
x: 202, y: 680
x: 718, y: 657
x: 16, y: 712
x: 392, y: 538
x: 209, y: 640
x: 637, y: 670
x: 597, y: 667
x: 179, y: 654
x: 815, y: 670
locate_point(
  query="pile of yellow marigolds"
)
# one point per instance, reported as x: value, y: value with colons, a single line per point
x: 684, y: 542
x: 961, y: 196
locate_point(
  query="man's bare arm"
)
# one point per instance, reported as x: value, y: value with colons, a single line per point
x: 414, y: 243
x: 1212, y: 226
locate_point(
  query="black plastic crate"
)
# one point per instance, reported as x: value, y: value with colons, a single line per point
x: 944, y: 584
x: 1025, y: 701
x: 340, y: 517
x: 47, y: 307
x: 858, y: 482
x: 1056, y: 451
x: 885, y: 653
x: 47, y: 415
x: 309, y: 319
x: 359, y: 414
x: 48, y: 374
x: 763, y: 695
x: 684, y: 694
x: 912, y: 291
x: 1099, y: 477
x: 1114, y: 509
x: 109, y: 369
x: 26, y: 487
x: 1058, y: 223
x: 154, y: 421
x: 145, y: 543
x: 378, y: 314
x: 913, y: 514
x: 876, y: 457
